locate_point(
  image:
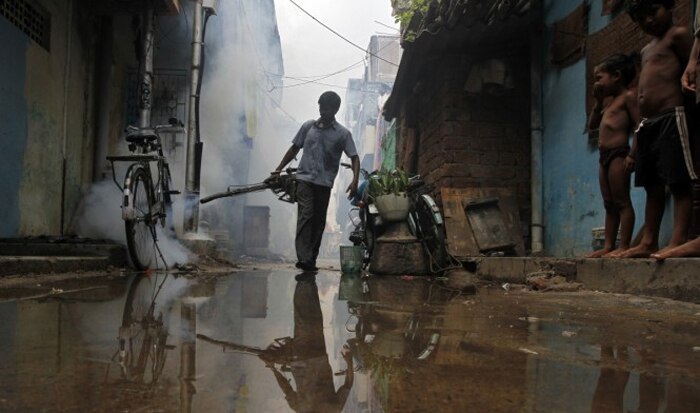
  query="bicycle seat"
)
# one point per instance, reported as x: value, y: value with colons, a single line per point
x: 141, y: 135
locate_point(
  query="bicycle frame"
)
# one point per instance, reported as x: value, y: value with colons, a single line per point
x: 144, y: 161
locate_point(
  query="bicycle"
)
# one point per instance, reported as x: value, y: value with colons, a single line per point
x: 145, y: 201
x: 142, y: 338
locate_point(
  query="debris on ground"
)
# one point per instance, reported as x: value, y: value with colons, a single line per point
x: 462, y: 280
x: 529, y: 319
x: 568, y: 334
x: 550, y: 281
x: 187, y: 267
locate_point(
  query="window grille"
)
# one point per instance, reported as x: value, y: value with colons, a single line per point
x: 30, y: 18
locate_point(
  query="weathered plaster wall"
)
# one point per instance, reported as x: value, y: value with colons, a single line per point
x: 45, y: 119
x: 572, y: 202
x: 13, y: 118
x: 58, y: 123
x: 40, y: 192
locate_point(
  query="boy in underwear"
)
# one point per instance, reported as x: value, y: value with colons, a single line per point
x: 615, y: 115
x: 661, y: 144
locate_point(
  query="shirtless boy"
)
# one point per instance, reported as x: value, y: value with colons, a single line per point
x: 615, y: 115
x: 689, y: 84
x: 662, y: 147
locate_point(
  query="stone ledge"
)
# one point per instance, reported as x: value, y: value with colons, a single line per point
x: 16, y: 265
x: 516, y: 269
x: 675, y: 278
x: 678, y: 279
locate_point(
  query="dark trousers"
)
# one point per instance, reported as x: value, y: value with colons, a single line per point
x: 312, y: 201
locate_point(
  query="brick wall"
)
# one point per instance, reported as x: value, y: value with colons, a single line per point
x: 465, y: 140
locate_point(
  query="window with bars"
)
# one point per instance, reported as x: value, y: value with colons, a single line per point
x: 31, y: 18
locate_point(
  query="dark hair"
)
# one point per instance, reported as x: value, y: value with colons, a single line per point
x: 634, y: 6
x: 331, y: 99
x: 626, y: 65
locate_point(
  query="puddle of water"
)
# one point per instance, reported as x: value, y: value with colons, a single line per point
x: 267, y: 342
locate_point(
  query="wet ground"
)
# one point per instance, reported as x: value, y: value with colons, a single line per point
x: 276, y: 341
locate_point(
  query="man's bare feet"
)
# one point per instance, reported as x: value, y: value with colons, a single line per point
x: 689, y: 249
x: 598, y: 253
x: 640, y: 251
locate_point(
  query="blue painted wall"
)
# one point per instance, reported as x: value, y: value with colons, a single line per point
x: 572, y: 202
x: 13, y: 125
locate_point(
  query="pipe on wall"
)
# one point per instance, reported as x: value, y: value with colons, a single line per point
x: 104, y: 87
x: 66, y: 91
x: 536, y: 135
x: 191, y: 222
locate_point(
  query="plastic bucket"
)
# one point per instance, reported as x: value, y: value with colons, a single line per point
x: 351, y: 259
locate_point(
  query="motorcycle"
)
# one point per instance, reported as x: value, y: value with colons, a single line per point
x: 425, y: 221
x: 364, y: 216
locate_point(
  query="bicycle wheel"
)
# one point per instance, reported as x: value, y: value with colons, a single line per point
x: 430, y: 230
x: 140, y: 227
x: 143, y: 335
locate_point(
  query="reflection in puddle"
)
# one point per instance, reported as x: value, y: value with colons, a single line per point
x: 267, y: 342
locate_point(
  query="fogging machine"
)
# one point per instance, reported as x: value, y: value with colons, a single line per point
x: 283, y: 185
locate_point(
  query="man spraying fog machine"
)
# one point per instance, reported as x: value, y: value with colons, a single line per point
x: 324, y: 141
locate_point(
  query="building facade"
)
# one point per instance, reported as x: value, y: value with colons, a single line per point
x: 496, y: 95
x: 72, y: 88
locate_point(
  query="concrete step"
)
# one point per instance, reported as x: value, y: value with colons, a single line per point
x: 677, y: 278
x: 56, y: 254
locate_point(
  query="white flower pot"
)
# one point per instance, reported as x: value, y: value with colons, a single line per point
x: 393, y: 208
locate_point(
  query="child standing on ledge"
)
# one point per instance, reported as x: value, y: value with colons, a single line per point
x: 615, y: 115
x: 662, y: 144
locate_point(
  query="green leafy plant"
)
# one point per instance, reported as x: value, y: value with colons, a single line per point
x: 408, y: 8
x: 405, y: 10
x: 387, y: 182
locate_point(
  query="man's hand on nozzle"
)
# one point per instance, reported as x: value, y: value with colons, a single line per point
x: 274, y: 175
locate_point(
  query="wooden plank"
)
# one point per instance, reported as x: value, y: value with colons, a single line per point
x: 460, y: 238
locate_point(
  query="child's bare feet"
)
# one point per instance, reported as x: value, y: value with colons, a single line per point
x: 599, y: 253
x: 640, y: 251
x: 615, y: 253
x: 689, y: 249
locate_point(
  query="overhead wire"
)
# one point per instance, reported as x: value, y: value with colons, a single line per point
x: 315, y: 79
x: 340, y: 35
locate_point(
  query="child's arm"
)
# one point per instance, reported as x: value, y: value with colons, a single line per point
x: 682, y: 43
x: 596, y: 112
x: 632, y: 106
x: 595, y: 117
x: 688, y: 79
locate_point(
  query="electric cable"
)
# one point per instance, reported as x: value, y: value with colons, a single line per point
x: 340, y: 35
x: 315, y: 79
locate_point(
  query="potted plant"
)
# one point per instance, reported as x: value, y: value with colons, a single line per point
x: 388, y: 190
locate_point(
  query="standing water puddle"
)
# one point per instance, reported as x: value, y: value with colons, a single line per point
x: 264, y: 341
